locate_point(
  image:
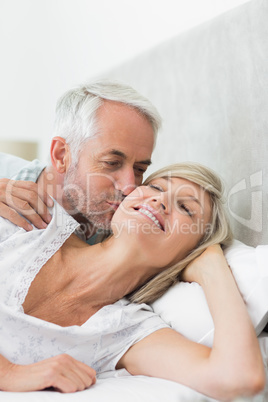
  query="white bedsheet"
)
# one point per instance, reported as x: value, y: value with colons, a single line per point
x: 119, y: 386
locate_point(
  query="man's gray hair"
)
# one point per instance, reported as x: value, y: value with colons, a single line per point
x: 76, y: 110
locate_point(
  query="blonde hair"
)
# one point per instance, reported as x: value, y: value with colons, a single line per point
x: 219, y: 229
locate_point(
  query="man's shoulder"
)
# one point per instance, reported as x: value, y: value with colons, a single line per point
x: 10, y: 165
x: 13, y: 167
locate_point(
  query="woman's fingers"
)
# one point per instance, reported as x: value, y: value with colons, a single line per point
x: 62, y: 372
x: 23, y: 198
x: 74, y: 375
x: 86, y: 374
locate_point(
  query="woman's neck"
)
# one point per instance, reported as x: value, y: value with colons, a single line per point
x: 80, y: 279
x: 106, y: 272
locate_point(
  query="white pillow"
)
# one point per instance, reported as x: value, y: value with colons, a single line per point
x: 184, y: 306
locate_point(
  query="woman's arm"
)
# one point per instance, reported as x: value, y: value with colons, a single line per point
x: 233, y: 367
x: 61, y: 372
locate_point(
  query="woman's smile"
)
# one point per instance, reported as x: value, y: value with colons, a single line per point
x: 152, y: 214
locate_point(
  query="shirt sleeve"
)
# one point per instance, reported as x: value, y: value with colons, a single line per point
x: 129, y: 323
x: 10, y: 165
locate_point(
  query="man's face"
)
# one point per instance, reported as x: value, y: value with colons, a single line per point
x: 110, y: 165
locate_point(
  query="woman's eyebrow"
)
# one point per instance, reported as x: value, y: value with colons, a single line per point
x: 192, y: 198
x: 186, y: 196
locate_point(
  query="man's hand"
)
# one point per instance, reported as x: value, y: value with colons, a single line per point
x: 22, y: 199
x: 62, y: 372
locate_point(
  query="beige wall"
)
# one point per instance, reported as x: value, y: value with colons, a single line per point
x: 24, y: 149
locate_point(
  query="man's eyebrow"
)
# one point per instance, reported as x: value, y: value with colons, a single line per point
x: 116, y: 152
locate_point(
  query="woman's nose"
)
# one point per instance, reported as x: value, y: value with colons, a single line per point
x: 163, y: 206
x: 160, y: 203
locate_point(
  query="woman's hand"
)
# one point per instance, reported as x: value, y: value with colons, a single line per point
x: 23, y: 199
x: 208, y: 261
x: 62, y: 372
x: 233, y: 367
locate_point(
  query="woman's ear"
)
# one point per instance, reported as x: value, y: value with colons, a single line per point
x: 60, y: 154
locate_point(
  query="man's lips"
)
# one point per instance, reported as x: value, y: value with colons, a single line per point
x: 152, y: 214
x: 114, y: 204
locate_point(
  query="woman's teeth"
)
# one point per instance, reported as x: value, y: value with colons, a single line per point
x: 151, y: 216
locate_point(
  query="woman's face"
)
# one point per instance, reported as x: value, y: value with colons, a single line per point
x: 168, y: 216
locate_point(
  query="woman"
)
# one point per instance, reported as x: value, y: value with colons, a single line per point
x: 63, y: 307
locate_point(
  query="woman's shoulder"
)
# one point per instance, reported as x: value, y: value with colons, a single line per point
x: 22, y: 254
x: 61, y: 218
x: 123, y: 314
x: 61, y: 221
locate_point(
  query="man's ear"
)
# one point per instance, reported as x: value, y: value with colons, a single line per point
x: 60, y: 154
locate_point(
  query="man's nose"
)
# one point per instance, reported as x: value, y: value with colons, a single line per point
x: 126, y: 181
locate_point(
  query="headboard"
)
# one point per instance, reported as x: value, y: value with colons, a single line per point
x: 210, y: 85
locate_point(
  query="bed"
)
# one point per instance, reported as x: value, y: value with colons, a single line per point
x: 210, y: 85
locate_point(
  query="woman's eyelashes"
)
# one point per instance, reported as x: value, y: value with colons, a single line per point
x: 185, y: 209
x: 181, y: 205
x: 156, y: 187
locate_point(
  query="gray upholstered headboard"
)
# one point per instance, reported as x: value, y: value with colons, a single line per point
x: 210, y: 85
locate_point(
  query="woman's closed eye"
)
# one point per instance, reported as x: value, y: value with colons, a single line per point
x: 156, y: 187
x: 185, y: 209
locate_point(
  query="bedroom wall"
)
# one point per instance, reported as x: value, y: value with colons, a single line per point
x: 210, y: 85
x: 49, y: 46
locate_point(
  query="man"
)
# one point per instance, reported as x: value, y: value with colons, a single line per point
x: 104, y: 137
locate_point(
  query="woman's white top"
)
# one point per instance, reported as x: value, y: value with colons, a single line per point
x: 100, y: 342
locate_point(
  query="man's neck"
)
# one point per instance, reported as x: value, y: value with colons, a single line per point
x: 51, y: 182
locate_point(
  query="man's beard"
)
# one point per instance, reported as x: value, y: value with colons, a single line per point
x: 95, y: 213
